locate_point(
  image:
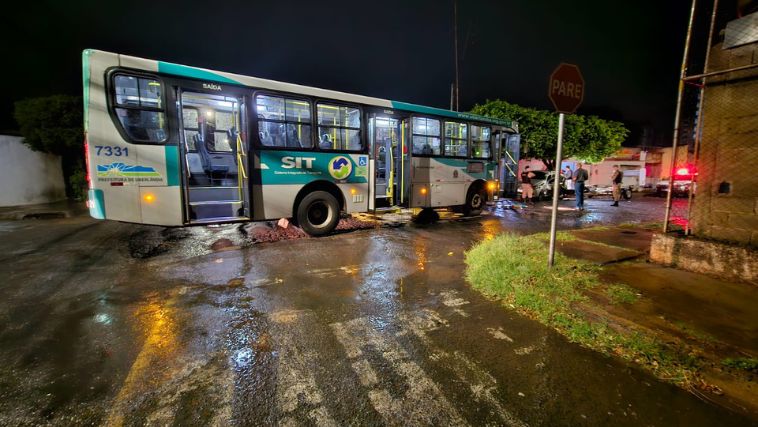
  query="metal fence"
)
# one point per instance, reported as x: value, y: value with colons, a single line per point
x: 712, y: 183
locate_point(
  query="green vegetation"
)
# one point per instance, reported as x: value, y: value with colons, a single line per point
x: 743, y: 363
x: 53, y: 124
x: 621, y: 294
x: 694, y: 333
x: 586, y: 137
x: 513, y: 269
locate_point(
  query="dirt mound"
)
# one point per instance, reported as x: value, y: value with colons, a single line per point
x: 263, y: 232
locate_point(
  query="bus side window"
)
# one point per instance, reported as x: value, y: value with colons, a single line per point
x: 283, y: 122
x: 426, y: 136
x: 339, y: 127
x: 139, y: 108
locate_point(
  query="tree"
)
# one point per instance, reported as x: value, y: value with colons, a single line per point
x: 589, y: 138
x: 53, y: 124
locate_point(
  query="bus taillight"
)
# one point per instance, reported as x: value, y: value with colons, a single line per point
x: 86, y: 160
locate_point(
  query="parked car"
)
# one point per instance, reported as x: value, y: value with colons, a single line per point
x: 607, y: 190
x: 682, y: 180
x: 543, y: 185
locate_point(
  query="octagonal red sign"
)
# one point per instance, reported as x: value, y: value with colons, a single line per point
x: 566, y: 90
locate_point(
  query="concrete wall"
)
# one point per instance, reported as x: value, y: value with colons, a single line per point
x: 726, y: 201
x: 724, y: 260
x: 28, y: 177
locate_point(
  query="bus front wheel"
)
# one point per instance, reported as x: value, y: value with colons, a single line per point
x: 474, y: 202
x: 318, y: 213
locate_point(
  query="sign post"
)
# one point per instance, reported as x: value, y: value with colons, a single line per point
x: 566, y: 92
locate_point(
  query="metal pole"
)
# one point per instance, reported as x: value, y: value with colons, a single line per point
x: 556, y: 191
x: 695, y: 77
x: 675, y: 139
x: 699, y: 124
x: 455, y: 34
x: 452, y: 94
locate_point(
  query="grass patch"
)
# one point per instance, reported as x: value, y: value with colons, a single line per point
x: 514, y: 269
x: 744, y: 363
x: 694, y: 332
x: 621, y: 294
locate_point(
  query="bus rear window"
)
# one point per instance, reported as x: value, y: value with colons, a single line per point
x: 139, y: 108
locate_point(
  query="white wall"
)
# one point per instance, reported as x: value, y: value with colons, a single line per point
x: 28, y: 177
x: 634, y: 172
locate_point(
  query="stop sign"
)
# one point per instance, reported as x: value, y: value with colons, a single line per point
x: 566, y: 88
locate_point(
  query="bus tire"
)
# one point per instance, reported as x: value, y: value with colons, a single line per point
x: 626, y: 194
x: 474, y: 202
x: 318, y: 213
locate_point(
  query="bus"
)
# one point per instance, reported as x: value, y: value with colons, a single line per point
x: 175, y: 145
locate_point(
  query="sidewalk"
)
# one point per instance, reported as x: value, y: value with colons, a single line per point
x: 62, y: 209
x: 715, y: 321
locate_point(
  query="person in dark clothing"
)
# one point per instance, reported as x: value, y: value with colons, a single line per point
x: 616, y: 178
x: 527, y: 190
x: 580, y: 176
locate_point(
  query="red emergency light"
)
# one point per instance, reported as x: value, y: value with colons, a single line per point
x: 683, y: 171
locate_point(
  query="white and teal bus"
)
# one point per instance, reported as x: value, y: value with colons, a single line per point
x: 173, y: 145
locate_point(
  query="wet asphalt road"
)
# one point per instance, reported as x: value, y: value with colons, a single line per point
x: 374, y: 327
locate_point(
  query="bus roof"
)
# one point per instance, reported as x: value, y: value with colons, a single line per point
x: 238, y: 79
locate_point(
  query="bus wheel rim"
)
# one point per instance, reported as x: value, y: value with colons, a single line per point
x: 319, y: 213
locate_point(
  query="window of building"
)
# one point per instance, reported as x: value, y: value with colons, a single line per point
x: 480, y: 142
x: 283, y: 122
x: 456, y: 139
x: 426, y: 136
x: 139, y: 108
x: 339, y: 127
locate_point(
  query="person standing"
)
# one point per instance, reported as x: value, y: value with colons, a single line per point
x: 527, y: 190
x: 567, y: 175
x: 580, y: 176
x: 616, y: 178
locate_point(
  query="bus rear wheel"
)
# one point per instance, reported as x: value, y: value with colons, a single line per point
x: 474, y: 202
x: 318, y: 213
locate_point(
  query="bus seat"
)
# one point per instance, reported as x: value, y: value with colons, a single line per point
x: 195, y: 164
x: 266, y: 138
x: 292, y: 139
x: 211, y: 164
x: 325, y: 142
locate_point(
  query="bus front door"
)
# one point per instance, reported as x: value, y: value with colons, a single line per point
x: 214, y: 154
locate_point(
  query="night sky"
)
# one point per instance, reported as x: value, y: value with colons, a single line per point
x: 629, y: 52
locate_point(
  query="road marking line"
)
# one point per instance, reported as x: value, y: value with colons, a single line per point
x: 295, y: 379
x: 523, y: 351
x: 160, y: 344
x: 423, y: 402
x: 451, y: 299
x: 481, y: 382
x: 365, y: 373
x: 499, y: 334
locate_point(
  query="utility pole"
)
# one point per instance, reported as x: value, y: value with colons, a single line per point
x: 452, y: 95
x: 455, y: 44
